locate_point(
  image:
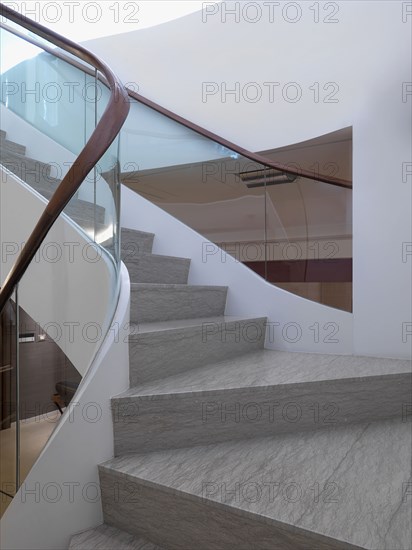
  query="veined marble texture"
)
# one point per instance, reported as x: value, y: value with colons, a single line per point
x: 135, y: 242
x: 161, y: 302
x: 224, y: 445
x: 259, y: 394
x: 105, y: 537
x: 159, y: 350
x: 334, y: 488
x: 267, y: 367
x: 151, y: 268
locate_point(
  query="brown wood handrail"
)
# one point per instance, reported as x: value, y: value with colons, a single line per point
x: 103, y: 136
x: 256, y: 157
x: 259, y: 159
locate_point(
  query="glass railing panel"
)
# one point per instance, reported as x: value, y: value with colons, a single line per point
x: 197, y: 181
x: 107, y: 193
x: 49, y: 110
x: 8, y: 398
x: 152, y: 141
x: 293, y: 231
x: 68, y: 295
x: 315, y: 260
x: 45, y: 91
x: 47, y: 383
x: 66, y: 302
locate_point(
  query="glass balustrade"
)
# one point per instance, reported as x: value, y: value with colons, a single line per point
x: 294, y: 231
x: 50, y: 332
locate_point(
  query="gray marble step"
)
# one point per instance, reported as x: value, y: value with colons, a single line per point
x: 105, y: 537
x: 159, y: 350
x: 85, y: 210
x: 77, y: 209
x: 134, y: 242
x: 164, y: 302
x: 152, y: 268
x: 47, y: 185
x: 335, y: 489
x: 331, y: 489
x: 12, y: 146
x: 23, y: 166
x: 88, y: 224
x: 2, y: 134
x: 37, y: 175
x: 256, y: 395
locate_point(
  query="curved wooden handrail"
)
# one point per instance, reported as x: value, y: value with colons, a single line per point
x: 103, y: 136
x: 256, y: 157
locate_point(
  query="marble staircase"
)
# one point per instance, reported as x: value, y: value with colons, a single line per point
x: 37, y: 175
x: 223, y: 444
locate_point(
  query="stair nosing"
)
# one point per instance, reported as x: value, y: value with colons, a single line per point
x: 268, y: 361
x: 257, y: 389
x: 136, y: 257
x: 178, y: 286
x: 21, y: 156
x: 150, y: 326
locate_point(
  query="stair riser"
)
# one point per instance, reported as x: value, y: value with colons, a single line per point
x: 191, y: 347
x: 87, y: 210
x: 151, y: 424
x: 14, y: 160
x: 75, y: 208
x: 158, y: 269
x: 135, y: 242
x: 46, y: 190
x: 88, y: 225
x: 176, y: 521
x: 11, y: 146
x: 26, y: 168
x: 157, y: 304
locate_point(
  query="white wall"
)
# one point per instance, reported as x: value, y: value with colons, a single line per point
x: 60, y: 496
x: 294, y: 324
x: 69, y: 287
x: 366, y: 55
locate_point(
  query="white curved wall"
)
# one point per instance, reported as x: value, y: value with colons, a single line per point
x: 366, y: 54
x: 68, y: 288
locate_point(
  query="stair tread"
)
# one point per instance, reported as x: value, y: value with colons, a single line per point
x: 358, y: 472
x: 266, y: 368
x: 138, y: 232
x: 106, y: 537
x: 12, y: 145
x: 178, y: 324
x: 23, y: 157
